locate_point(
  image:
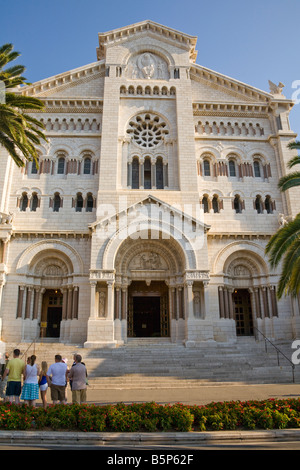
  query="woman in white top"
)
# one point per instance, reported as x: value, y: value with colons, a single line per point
x: 30, y: 390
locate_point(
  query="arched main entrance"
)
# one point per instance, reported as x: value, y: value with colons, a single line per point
x: 149, y: 288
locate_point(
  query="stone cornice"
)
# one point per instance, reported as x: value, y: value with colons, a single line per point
x: 223, y: 109
x: 71, y: 105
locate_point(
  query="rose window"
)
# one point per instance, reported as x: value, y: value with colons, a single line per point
x: 147, y: 131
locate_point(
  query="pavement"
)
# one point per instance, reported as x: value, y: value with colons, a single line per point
x: 202, y: 395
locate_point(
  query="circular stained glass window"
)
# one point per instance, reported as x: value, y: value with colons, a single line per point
x: 147, y: 130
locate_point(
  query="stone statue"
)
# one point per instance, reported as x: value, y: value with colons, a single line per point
x: 276, y: 89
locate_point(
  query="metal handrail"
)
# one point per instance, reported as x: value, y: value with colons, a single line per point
x: 278, y: 351
x: 33, y: 342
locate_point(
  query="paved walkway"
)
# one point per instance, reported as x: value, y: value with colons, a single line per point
x: 193, y: 396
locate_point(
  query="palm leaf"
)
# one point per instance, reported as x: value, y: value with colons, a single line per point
x: 289, y: 181
x: 281, y: 241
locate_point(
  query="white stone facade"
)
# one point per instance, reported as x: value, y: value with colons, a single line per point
x: 154, y: 200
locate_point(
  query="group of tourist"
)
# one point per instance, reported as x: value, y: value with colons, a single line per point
x: 37, y: 379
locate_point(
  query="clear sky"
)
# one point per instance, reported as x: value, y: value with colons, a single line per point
x: 251, y: 41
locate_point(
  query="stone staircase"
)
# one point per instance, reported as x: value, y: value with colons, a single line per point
x: 157, y: 363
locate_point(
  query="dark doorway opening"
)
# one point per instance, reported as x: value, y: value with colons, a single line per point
x: 242, y: 312
x: 51, y: 314
x: 146, y: 317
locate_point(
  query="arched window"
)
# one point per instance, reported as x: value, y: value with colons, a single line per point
x: 89, y: 203
x: 56, y: 202
x: 79, y: 203
x: 61, y: 166
x: 34, y: 202
x: 135, y: 173
x: 256, y: 166
x: 34, y: 168
x: 206, y: 168
x: 232, y: 168
x: 269, y: 205
x: 205, y: 205
x: 237, y: 204
x: 258, y: 204
x: 24, y: 202
x: 215, y: 204
x: 87, y: 165
x: 159, y: 167
x: 147, y: 173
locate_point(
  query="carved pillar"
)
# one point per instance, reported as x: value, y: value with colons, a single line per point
x: 28, y: 302
x: 36, y: 302
x: 230, y: 301
x: 75, y: 302
x: 189, y: 300
x: 93, y: 300
x: 257, y: 302
x: 124, y: 304
x: 65, y: 304
x: 141, y: 168
x: 221, y: 302
x: 110, y: 300
x: 180, y: 302
x: 20, y: 302
x: 70, y: 303
x: 117, y: 303
x: 129, y: 175
x: 205, y: 307
x: 153, y: 174
x: 273, y: 301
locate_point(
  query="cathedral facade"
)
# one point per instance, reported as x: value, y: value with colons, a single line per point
x: 152, y: 203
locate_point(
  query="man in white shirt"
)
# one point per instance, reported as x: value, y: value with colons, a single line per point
x: 57, y: 380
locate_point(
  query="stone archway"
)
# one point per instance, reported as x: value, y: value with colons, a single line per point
x: 148, y: 282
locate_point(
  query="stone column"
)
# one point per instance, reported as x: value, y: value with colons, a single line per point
x: 20, y: 302
x: 129, y: 175
x: 93, y: 313
x: 141, y: 168
x: 117, y: 315
x: 189, y: 300
x: 70, y: 303
x: 110, y: 301
x: 28, y: 302
x: 124, y: 303
x: 153, y: 174
x: 221, y: 302
x: 75, y: 302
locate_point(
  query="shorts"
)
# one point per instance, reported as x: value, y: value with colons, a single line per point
x: 79, y: 396
x: 58, y: 392
x: 43, y: 387
x: 13, y: 389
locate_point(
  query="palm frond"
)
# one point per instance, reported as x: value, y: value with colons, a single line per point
x: 289, y: 181
x: 282, y: 240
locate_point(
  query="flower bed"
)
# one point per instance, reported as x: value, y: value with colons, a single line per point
x: 151, y: 417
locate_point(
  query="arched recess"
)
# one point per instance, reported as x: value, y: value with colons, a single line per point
x: 149, y: 231
x: 247, y: 292
x: 42, y: 248
x: 48, y: 295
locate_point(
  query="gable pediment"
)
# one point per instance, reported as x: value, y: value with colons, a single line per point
x: 70, y: 83
x: 213, y: 86
x: 143, y: 29
x: 139, y: 212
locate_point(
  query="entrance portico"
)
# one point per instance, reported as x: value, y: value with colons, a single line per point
x: 149, y: 285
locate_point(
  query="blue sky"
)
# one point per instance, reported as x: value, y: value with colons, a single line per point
x: 250, y: 41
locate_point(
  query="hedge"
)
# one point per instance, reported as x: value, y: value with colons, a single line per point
x: 152, y: 417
